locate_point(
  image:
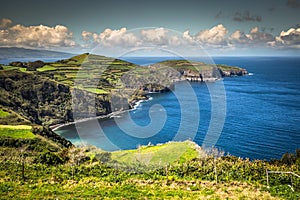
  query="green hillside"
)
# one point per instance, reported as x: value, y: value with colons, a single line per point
x: 36, y: 163
x: 95, y: 174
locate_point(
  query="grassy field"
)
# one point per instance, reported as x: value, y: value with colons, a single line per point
x: 96, y: 90
x: 96, y: 188
x: 46, y: 68
x: 80, y: 70
x: 155, y: 155
x: 3, y: 113
x: 72, y: 174
x: 193, y: 179
x: 16, y: 131
x: 22, y: 69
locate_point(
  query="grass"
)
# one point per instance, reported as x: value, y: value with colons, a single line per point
x: 96, y: 90
x: 155, y: 155
x: 10, y: 117
x: 193, y: 179
x: 22, y: 69
x: 16, y: 131
x: 46, y: 68
x: 3, y: 113
x: 95, y: 188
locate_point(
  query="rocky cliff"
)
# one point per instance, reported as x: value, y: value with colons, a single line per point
x: 44, y: 101
x: 84, y: 86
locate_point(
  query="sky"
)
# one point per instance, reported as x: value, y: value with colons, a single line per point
x: 218, y: 27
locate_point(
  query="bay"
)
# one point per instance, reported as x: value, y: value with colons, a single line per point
x: 262, y: 112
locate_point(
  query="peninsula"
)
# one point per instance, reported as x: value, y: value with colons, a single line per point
x: 37, y: 163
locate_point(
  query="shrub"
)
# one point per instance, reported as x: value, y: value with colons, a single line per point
x: 49, y: 158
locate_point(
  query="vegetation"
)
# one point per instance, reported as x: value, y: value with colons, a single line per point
x: 46, y: 68
x: 36, y: 163
x: 9, y: 117
x: 16, y: 131
x: 3, y: 113
x: 88, y: 172
x: 156, y: 156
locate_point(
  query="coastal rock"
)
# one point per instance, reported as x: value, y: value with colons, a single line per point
x: 46, y: 102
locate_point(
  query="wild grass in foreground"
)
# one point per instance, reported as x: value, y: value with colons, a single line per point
x: 91, y: 173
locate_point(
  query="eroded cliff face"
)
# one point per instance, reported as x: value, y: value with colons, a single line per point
x: 44, y: 101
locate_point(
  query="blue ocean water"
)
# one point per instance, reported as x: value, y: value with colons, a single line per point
x: 262, y: 113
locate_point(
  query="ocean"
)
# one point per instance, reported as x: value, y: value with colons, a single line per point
x: 261, y: 113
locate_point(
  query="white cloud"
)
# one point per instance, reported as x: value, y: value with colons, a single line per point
x: 174, y: 41
x: 122, y: 38
x: 214, y: 36
x: 289, y: 39
x: 37, y: 36
x: 156, y: 36
x: 256, y: 36
x: 209, y: 38
x: 4, y: 23
x: 238, y: 37
x: 186, y: 36
x: 86, y: 36
x: 110, y: 38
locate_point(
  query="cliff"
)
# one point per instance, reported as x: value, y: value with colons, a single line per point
x: 48, y: 93
x: 199, y: 71
x: 42, y: 92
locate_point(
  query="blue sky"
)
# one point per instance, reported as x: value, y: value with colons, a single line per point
x: 231, y: 27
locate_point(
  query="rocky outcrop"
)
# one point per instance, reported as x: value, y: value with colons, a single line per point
x: 31, y: 66
x: 233, y: 72
x: 44, y: 101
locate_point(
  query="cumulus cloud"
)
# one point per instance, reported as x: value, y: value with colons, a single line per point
x: 246, y: 16
x: 238, y: 37
x: 124, y: 38
x: 4, y: 23
x: 209, y: 37
x: 157, y: 36
x: 215, y: 35
x: 257, y: 36
x: 110, y: 38
x: 218, y: 36
x: 36, y: 36
x: 86, y: 36
x: 186, y: 36
x: 287, y: 39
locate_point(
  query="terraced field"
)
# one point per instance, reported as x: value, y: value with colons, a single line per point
x: 16, y: 131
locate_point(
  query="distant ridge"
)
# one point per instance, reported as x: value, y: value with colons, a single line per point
x: 16, y: 52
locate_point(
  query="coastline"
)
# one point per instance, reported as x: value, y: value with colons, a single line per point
x: 110, y: 115
x: 133, y: 105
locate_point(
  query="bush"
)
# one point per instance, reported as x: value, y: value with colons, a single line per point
x: 103, y: 157
x: 49, y: 158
